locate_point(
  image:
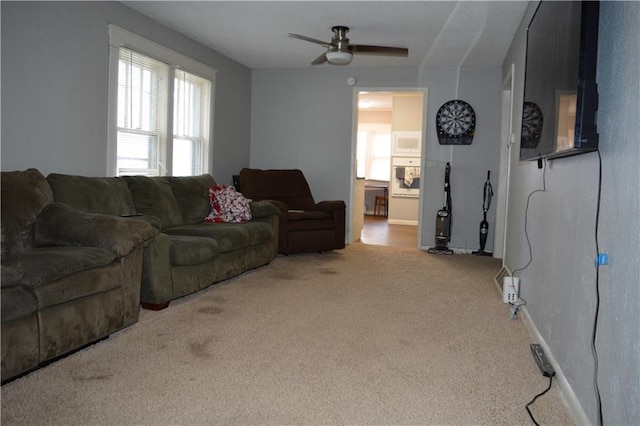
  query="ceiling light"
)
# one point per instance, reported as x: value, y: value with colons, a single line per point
x: 337, y: 57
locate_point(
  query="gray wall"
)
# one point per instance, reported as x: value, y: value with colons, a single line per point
x: 54, y: 87
x: 54, y: 100
x: 303, y: 119
x: 482, y: 89
x: 560, y: 283
x: 54, y: 109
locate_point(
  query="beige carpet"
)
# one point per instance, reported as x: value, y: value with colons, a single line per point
x: 366, y: 335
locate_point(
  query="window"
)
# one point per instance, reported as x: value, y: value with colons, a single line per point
x: 160, y: 111
x: 379, y: 156
x: 142, y: 115
x: 374, y: 152
x: 191, y: 97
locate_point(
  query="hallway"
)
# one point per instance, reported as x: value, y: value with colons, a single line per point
x: 376, y: 231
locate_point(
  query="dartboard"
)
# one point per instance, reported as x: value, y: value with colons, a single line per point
x: 455, y: 123
x: 531, y: 125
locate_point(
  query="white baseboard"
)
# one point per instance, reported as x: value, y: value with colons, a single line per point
x: 567, y: 393
x: 462, y: 250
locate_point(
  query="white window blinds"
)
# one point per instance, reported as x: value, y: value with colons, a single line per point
x: 160, y: 109
x: 143, y: 86
x: 191, y: 112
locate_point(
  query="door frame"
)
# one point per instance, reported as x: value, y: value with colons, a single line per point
x: 507, y: 139
x: 354, y: 138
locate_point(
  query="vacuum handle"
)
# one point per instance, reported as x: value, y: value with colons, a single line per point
x: 488, y: 193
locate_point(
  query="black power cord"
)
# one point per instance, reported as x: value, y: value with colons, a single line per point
x: 597, y: 309
x: 519, y: 300
x: 534, y: 400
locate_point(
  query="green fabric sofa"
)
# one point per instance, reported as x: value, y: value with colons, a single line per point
x: 188, y: 254
x: 68, y: 278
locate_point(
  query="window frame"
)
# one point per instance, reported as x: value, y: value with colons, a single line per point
x: 118, y: 38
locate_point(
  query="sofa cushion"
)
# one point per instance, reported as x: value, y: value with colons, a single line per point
x: 42, y: 265
x: 229, y: 236
x: 10, y: 276
x: 24, y: 194
x: 20, y: 342
x: 106, y: 195
x: 191, y: 194
x: 153, y: 196
x: 259, y: 232
x: 187, y: 250
x: 81, y: 285
x: 227, y: 205
x: 17, y: 302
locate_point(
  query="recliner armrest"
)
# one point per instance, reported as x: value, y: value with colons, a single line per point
x: 60, y: 225
x: 330, y: 205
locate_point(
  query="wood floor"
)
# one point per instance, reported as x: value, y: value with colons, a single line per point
x: 377, y: 231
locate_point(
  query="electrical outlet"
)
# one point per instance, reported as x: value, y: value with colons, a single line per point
x: 510, y: 287
x: 541, y: 360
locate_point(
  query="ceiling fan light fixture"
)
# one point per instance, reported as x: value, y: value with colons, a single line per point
x: 337, y: 57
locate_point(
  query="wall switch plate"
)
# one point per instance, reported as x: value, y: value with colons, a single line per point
x: 510, y: 286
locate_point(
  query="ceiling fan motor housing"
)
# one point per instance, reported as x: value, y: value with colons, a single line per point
x: 340, y: 51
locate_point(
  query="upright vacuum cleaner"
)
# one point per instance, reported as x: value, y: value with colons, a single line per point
x: 444, y: 219
x: 484, y: 225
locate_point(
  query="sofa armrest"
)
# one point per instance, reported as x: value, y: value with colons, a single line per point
x: 150, y: 219
x: 267, y: 208
x: 330, y: 206
x: 60, y: 225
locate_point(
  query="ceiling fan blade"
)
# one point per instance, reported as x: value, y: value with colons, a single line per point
x: 320, y: 60
x: 312, y: 40
x: 379, y: 50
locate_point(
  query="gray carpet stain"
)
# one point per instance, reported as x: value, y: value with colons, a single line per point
x: 95, y: 377
x: 210, y: 310
x: 282, y: 275
x: 328, y: 271
x: 201, y: 349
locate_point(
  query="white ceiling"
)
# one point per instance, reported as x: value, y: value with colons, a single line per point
x: 255, y: 33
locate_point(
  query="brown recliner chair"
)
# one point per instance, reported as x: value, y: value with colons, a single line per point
x: 305, y: 226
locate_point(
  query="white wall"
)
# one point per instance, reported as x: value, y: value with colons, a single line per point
x: 303, y: 118
x: 54, y: 87
x: 560, y: 283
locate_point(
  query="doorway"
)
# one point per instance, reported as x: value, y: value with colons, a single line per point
x: 387, y: 146
x: 377, y: 231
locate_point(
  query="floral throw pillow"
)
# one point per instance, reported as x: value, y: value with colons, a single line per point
x: 227, y: 205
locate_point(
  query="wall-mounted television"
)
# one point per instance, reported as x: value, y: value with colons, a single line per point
x: 560, y: 91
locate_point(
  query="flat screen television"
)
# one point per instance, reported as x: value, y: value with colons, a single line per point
x: 560, y: 91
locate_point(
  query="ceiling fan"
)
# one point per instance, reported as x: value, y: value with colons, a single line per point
x: 340, y: 52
